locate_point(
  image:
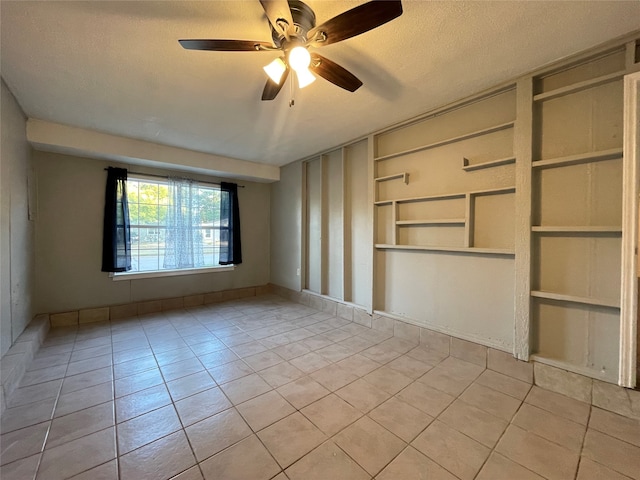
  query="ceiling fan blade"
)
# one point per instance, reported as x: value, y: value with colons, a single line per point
x: 334, y: 73
x: 226, y: 45
x: 271, y: 89
x: 355, y: 21
x: 278, y: 12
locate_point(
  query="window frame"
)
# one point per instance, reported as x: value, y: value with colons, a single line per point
x: 133, y: 275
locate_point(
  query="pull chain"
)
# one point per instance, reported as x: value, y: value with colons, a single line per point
x: 292, y: 100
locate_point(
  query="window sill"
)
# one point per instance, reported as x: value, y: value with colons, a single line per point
x: 116, y: 277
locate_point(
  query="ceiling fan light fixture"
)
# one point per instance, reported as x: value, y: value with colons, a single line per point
x: 275, y: 70
x: 299, y: 58
x: 305, y: 77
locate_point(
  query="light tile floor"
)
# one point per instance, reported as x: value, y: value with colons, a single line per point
x: 262, y: 388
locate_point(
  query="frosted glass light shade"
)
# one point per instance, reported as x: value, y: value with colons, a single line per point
x: 299, y: 58
x: 305, y: 77
x: 275, y: 70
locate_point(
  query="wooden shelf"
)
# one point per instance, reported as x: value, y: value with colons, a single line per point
x: 575, y: 299
x: 469, y: 250
x: 578, y: 87
x: 444, y: 221
x: 441, y: 143
x: 580, y: 158
x: 449, y: 196
x: 404, y: 176
x: 576, y: 229
x: 493, y: 163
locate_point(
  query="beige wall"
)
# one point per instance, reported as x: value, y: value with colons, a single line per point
x: 286, y: 225
x: 69, y: 241
x: 16, y: 231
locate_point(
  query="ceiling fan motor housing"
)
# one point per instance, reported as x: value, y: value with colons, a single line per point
x: 304, y: 19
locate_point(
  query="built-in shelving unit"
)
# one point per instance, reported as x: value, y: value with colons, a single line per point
x: 470, y: 250
x: 441, y: 143
x: 576, y: 208
x: 576, y: 299
x: 587, y: 229
x: 580, y: 86
x: 588, y: 157
x: 404, y: 176
x: 467, y: 167
x: 444, y: 221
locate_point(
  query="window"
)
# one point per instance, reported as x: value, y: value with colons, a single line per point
x: 174, y: 226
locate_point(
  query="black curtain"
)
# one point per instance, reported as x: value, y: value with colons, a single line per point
x: 116, y: 236
x: 229, y: 225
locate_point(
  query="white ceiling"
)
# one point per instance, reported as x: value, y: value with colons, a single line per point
x: 116, y: 67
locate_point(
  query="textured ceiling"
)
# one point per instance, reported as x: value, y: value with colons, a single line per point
x: 116, y: 67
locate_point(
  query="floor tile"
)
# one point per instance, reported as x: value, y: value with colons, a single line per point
x: 26, y: 415
x: 281, y: 374
x: 333, y: 377
x: 43, y: 375
x: 552, y: 427
x: 331, y: 414
x: 232, y: 464
x: 263, y: 410
x: 452, y: 450
x: 192, y: 473
x: 292, y: 350
x: 492, y: 401
x: 326, y: 462
x: 413, y: 465
x: 409, y: 366
x: 21, y: 469
x: 81, y: 423
x: 363, y: 395
x: 249, y: 349
x: 181, y: 369
x: 34, y: 393
x: 369, y: 444
x: 106, y: 471
x: 310, y: 362
x: 23, y: 443
x: 502, y: 383
x: 557, y: 404
x: 190, y: 385
x: 88, y: 365
x: 335, y: 352
x: 302, y: 392
x: 291, y: 438
x: 426, y: 355
x: 401, y: 419
x: 138, y: 381
x: 612, y: 453
x: 220, y: 357
x: 88, y: 379
x: 230, y: 371
x: 388, y: 380
x: 74, y: 457
x: 380, y: 354
x: 159, y: 460
x: 473, y: 422
x: 215, y: 433
x: 590, y: 470
x: 538, y: 454
x: 358, y: 364
x: 141, y: 402
x: 425, y: 398
x: 85, y: 398
x: 452, y: 376
x: 263, y: 360
x: 138, y: 365
x: 201, y: 405
x: 501, y: 468
x: 245, y: 388
x: 147, y: 428
x: 614, y: 425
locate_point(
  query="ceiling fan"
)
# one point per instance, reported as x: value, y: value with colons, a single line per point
x: 294, y: 32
